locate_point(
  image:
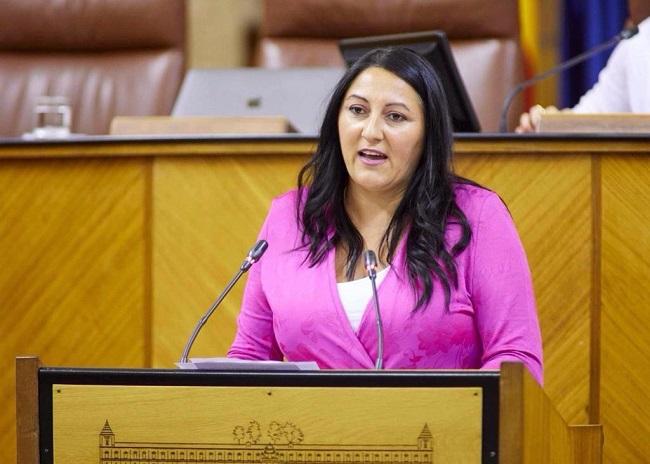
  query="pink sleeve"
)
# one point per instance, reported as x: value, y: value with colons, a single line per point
x: 255, y: 339
x: 502, y: 292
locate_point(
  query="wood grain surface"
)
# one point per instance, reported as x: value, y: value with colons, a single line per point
x: 206, y: 216
x: 112, y: 250
x: 531, y: 431
x: 550, y: 201
x: 625, y: 319
x: 73, y: 277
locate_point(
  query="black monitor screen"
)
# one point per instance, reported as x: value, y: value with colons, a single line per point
x: 433, y: 47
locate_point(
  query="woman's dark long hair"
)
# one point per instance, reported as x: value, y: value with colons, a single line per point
x: 428, y: 204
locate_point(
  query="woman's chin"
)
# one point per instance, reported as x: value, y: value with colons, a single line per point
x: 372, y: 184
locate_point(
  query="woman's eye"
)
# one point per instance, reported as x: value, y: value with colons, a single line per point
x: 396, y: 117
x: 356, y: 109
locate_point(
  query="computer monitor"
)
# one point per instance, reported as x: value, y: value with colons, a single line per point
x: 434, y: 47
x: 299, y: 94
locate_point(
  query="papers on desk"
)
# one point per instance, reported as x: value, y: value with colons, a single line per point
x: 201, y: 125
x: 230, y: 364
x: 601, y: 123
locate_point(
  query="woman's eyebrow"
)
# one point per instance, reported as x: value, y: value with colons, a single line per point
x: 403, y: 105
x: 354, y: 95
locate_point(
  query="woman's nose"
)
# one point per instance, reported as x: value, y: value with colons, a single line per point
x: 372, y: 129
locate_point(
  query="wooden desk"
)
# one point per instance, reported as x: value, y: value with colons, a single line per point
x: 112, y: 248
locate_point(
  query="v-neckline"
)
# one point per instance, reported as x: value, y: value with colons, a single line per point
x: 352, y: 334
x: 341, y: 314
x: 344, y: 322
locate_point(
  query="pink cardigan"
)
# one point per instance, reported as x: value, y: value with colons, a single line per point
x: 293, y: 311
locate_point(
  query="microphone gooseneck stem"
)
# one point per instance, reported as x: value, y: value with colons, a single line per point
x: 254, y: 255
x: 503, y: 122
x: 206, y: 316
x: 379, y: 363
x: 370, y: 262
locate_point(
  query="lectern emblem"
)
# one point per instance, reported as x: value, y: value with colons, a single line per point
x: 251, y: 443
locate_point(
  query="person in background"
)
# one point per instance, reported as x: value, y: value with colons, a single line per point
x: 622, y: 86
x: 454, y: 285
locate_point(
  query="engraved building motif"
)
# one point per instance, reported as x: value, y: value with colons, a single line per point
x: 286, y: 446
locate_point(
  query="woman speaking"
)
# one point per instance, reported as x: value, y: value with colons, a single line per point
x: 453, y: 280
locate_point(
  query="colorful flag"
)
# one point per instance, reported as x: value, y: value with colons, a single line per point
x: 529, y: 38
x: 585, y: 24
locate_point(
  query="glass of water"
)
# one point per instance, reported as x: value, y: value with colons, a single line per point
x: 53, y: 117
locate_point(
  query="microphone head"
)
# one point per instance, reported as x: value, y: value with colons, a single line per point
x: 370, y: 263
x: 258, y: 250
x: 254, y: 255
x: 629, y: 32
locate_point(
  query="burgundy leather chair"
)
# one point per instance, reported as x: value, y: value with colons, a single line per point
x: 108, y: 57
x: 484, y: 37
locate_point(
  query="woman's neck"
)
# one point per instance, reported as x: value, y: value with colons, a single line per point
x: 371, y: 213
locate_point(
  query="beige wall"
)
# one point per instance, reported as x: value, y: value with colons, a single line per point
x: 219, y: 32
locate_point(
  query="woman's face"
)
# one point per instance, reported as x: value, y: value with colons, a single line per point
x: 381, y: 130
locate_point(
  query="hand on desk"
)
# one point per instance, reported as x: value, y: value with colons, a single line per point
x: 529, y: 122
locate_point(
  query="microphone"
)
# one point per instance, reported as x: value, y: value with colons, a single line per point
x: 253, y: 256
x: 625, y: 34
x: 370, y: 261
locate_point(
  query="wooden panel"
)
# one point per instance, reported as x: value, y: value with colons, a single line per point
x: 531, y: 430
x: 53, y: 196
x: 206, y: 216
x: 241, y: 420
x: 27, y: 412
x: 550, y: 200
x: 587, y: 443
x: 72, y: 280
x: 625, y: 320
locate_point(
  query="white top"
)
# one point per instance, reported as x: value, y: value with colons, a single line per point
x: 356, y: 294
x: 624, y: 84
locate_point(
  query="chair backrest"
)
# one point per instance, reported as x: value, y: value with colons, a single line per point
x: 484, y: 37
x: 107, y: 57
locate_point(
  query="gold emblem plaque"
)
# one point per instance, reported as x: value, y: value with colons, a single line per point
x: 172, y: 424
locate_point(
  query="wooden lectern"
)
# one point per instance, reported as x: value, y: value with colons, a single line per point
x: 161, y: 416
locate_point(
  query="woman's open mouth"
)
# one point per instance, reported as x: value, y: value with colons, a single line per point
x: 371, y: 157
